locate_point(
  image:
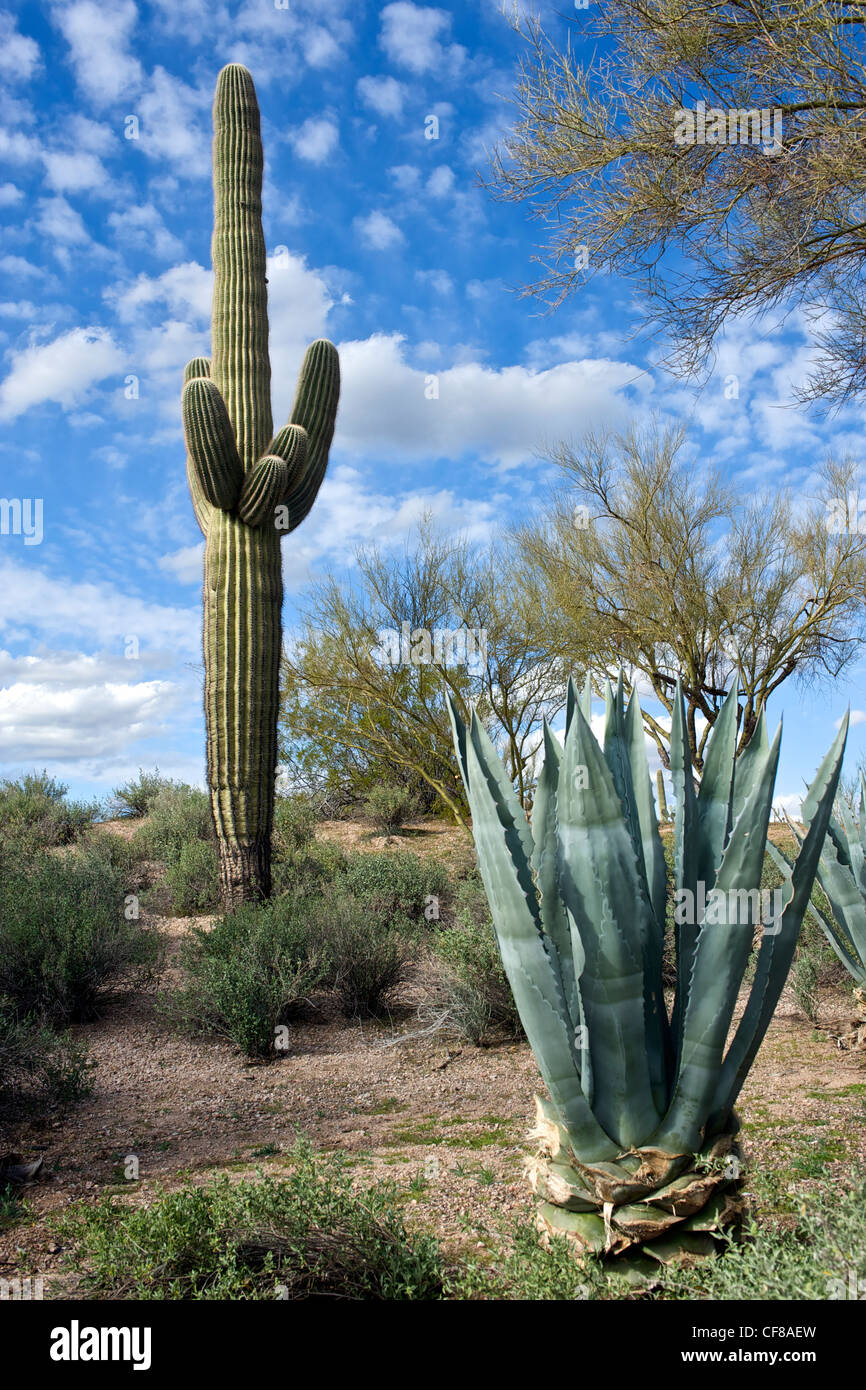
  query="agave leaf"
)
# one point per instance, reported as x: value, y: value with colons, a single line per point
x: 525, y: 956
x: 571, y: 699
x: 863, y: 812
x: 586, y: 699
x: 720, y: 959
x: 685, y: 858
x: 651, y: 858
x: 777, y: 948
x: 748, y: 765
x: 715, y: 792
x: 544, y: 864
x: 601, y: 886
x: 650, y: 839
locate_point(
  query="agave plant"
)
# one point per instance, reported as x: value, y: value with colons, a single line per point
x: 842, y: 875
x: 638, y: 1149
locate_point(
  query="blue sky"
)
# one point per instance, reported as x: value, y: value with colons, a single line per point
x: 381, y: 239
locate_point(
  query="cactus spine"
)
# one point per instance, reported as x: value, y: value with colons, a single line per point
x: 247, y: 490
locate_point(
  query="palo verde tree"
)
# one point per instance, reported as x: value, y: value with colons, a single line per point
x: 248, y: 489
x: 728, y: 135
x: 646, y: 561
x: 366, y: 679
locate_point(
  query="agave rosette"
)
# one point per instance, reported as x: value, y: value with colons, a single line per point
x: 638, y: 1142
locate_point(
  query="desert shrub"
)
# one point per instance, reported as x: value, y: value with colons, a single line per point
x: 369, y: 951
x: 294, y: 825
x: 398, y: 885
x: 304, y: 1236
x: 307, y: 869
x: 120, y: 854
x: 387, y: 807
x: 471, y: 979
x: 39, y: 1068
x: 34, y: 813
x: 137, y: 796
x: 63, y: 935
x: 249, y: 973
x: 193, y: 881
x: 809, y: 1257
x: 178, y: 816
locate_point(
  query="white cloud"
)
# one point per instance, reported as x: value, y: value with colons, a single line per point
x: 185, y: 564
x: 19, y: 54
x: 59, y: 221
x: 173, y: 124
x: 385, y: 95
x: 98, y: 35
x: 63, y: 370
x: 858, y: 716
x: 320, y: 47
x: 41, y: 722
x: 411, y: 36
x: 502, y: 415
x: 378, y: 231
x: 440, y: 182
x: 349, y: 513
x: 69, y: 172
x: 9, y: 195
x: 142, y: 227
x: 54, y: 607
x: 438, y: 280
x: 316, y: 139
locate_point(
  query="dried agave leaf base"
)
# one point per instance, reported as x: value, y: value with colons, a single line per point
x: 641, y: 1212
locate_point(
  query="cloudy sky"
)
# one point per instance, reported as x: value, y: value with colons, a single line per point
x: 380, y: 238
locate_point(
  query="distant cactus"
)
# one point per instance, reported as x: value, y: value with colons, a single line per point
x: 247, y: 489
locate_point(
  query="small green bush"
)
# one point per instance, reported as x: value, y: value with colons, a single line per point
x: 369, y: 951
x: 64, y: 936
x: 178, y: 816
x: 307, y: 869
x: 294, y: 825
x: 193, y: 881
x: 34, y: 813
x: 39, y: 1068
x: 397, y: 885
x: 472, y: 980
x: 305, y: 1236
x: 249, y: 973
x: 388, y: 807
x: 136, y: 797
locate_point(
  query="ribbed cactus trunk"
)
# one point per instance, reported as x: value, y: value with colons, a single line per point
x: 247, y: 490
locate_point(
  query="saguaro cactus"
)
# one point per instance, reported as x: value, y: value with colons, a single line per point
x: 247, y: 489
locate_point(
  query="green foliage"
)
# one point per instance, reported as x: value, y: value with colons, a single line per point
x: 369, y: 951
x: 308, y: 1235
x: 193, y: 880
x: 472, y: 981
x: 64, y: 937
x: 249, y: 973
x: 302, y: 864
x: 39, y: 1068
x: 179, y: 815
x: 294, y: 825
x: 396, y: 885
x: 388, y: 807
x: 136, y: 797
x: 812, y: 1257
x: 34, y: 813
